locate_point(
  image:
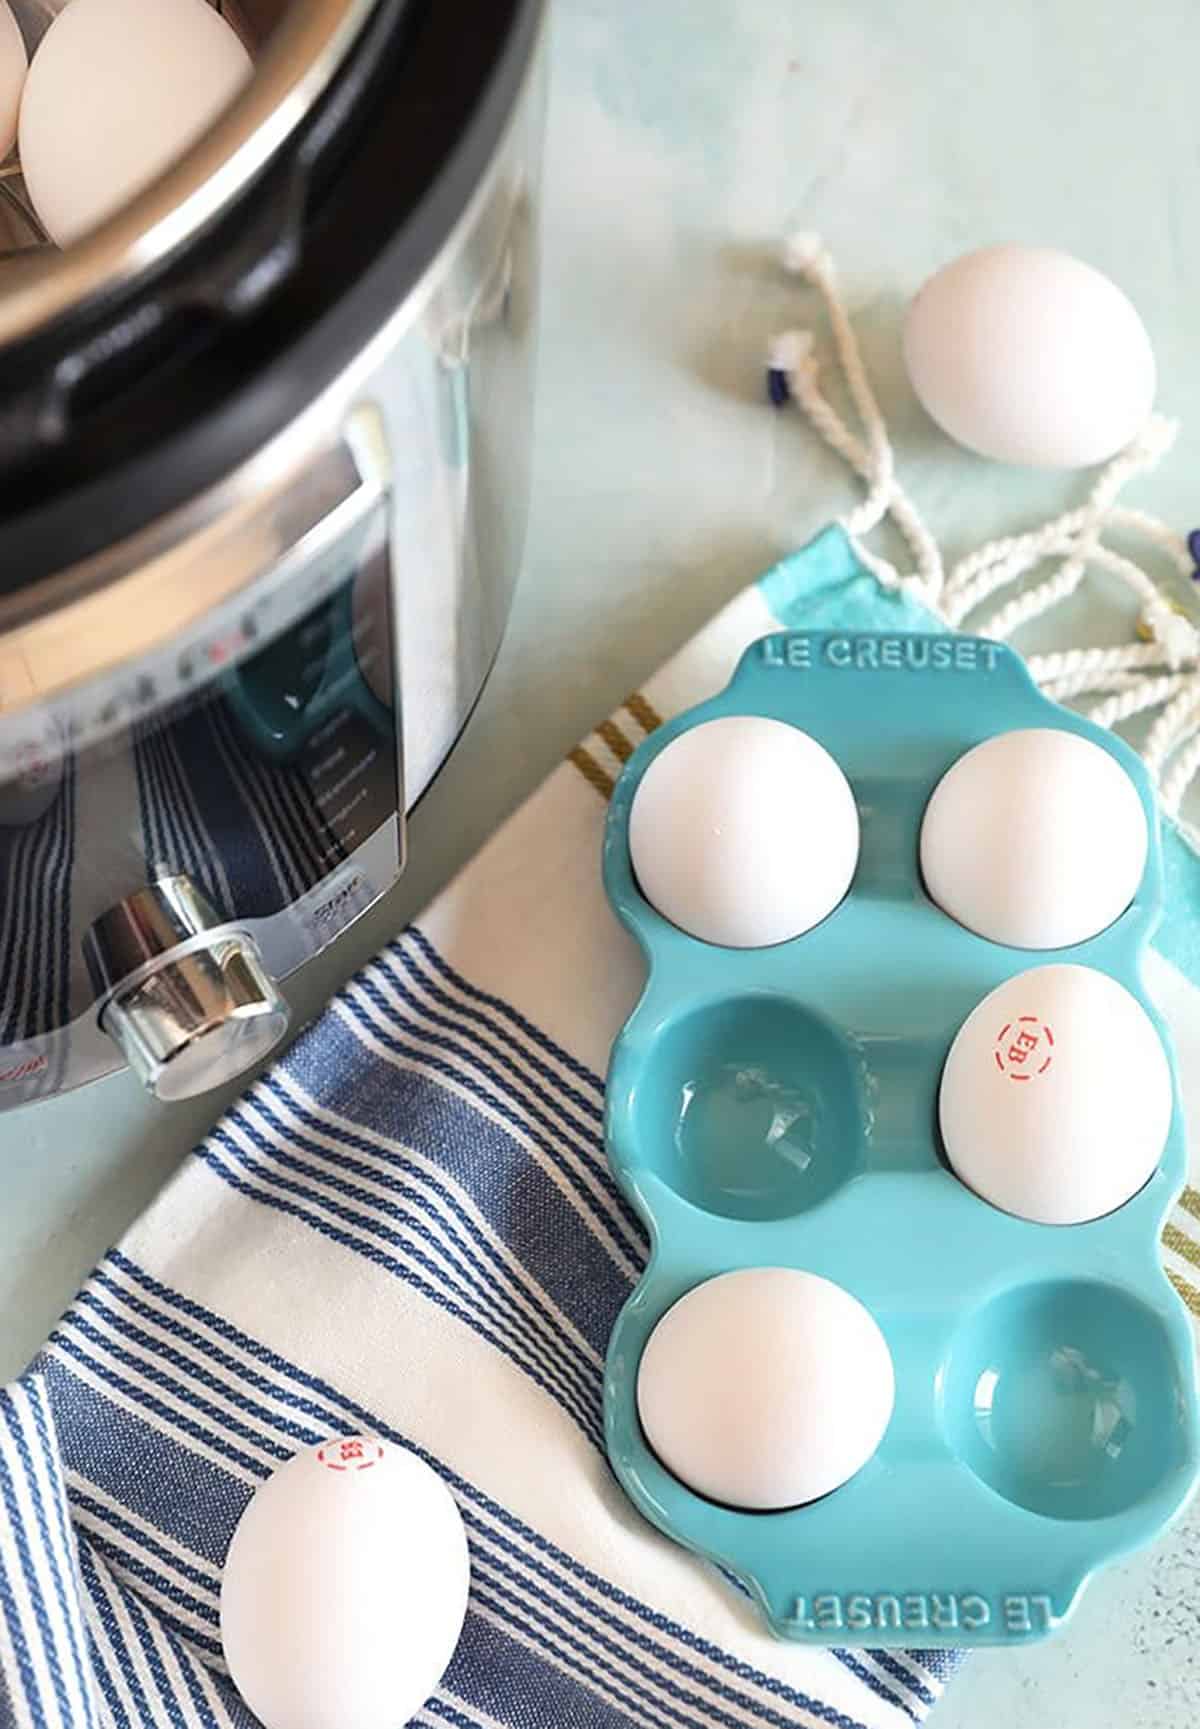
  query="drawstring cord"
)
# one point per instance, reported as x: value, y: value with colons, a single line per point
x: 1161, y: 670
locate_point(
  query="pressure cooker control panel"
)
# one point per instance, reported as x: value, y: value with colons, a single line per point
x: 310, y: 573
x: 195, y: 597
x: 225, y: 749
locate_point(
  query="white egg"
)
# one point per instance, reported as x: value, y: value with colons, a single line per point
x: 117, y: 91
x: 345, y: 1588
x: 1055, y: 1100
x: 765, y: 1388
x: 1028, y: 355
x: 1036, y: 839
x: 14, y: 64
x: 744, y: 832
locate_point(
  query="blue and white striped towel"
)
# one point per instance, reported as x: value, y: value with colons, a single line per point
x: 408, y: 1227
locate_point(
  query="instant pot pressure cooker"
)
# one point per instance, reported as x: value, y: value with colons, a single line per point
x: 264, y: 443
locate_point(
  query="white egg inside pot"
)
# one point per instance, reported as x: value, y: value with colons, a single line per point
x: 117, y: 91
x: 13, y: 67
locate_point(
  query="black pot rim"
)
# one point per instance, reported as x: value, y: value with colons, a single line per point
x: 196, y: 368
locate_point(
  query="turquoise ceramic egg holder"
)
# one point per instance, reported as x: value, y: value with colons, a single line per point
x: 1046, y: 1406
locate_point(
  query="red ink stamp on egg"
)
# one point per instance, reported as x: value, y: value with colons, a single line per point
x: 353, y: 1454
x: 1024, y: 1048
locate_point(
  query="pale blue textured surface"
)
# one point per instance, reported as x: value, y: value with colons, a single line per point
x: 685, y: 136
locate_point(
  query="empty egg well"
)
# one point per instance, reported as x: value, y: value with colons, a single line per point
x: 753, y: 1108
x: 1063, y: 1396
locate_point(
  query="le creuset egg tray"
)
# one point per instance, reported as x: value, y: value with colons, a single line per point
x: 1046, y: 1407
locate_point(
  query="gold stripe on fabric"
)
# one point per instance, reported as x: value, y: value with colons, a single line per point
x: 1180, y: 1244
x: 591, y: 771
x: 645, y: 713
x: 1189, y: 1293
x: 615, y: 739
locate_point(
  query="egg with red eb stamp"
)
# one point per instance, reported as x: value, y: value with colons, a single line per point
x: 345, y: 1588
x: 1056, y: 1097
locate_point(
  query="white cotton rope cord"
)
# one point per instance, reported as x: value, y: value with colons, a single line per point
x: 1135, y: 699
x: 1161, y: 671
x: 805, y: 256
x: 1163, y: 536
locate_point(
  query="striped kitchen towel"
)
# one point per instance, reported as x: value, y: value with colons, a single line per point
x: 408, y: 1227
x: 36, y: 858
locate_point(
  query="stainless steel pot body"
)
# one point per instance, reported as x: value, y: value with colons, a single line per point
x: 247, y: 694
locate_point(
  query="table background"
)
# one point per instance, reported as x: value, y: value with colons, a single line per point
x: 685, y: 137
